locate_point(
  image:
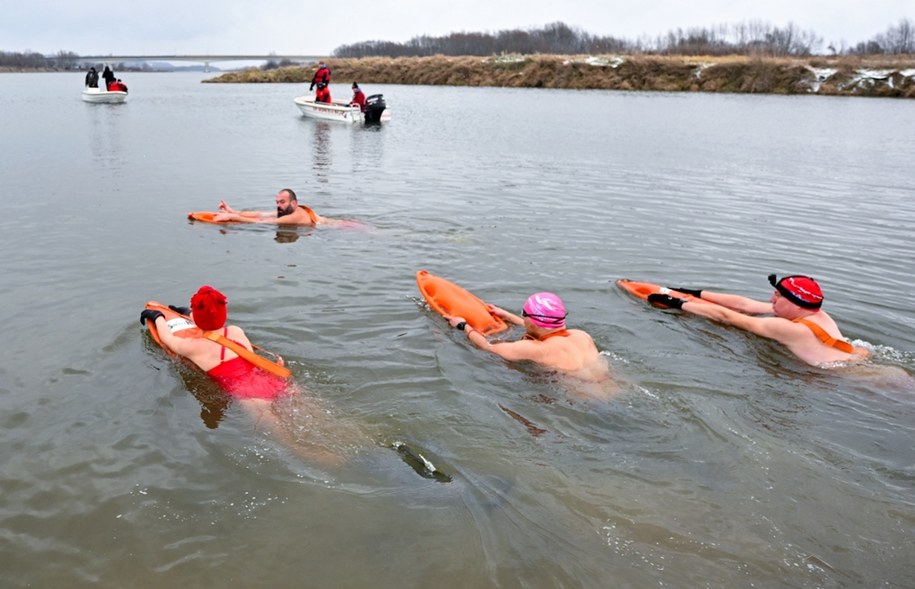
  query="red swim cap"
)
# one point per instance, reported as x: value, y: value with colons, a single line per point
x: 803, y: 291
x: 208, y: 306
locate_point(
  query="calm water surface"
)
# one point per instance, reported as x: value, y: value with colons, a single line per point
x: 722, y: 462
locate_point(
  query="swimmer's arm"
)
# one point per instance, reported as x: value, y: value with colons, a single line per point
x: 737, y: 303
x: 179, y: 345
x: 505, y: 315
x: 769, y: 327
x: 247, y: 217
x: 511, y: 351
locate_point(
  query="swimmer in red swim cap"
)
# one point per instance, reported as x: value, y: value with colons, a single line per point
x: 797, y: 320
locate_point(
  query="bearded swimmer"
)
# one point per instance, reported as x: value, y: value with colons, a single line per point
x: 288, y: 212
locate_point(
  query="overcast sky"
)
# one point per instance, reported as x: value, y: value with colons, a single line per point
x: 307, y: 27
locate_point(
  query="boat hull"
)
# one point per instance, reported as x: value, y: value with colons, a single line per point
x: 98, y: 96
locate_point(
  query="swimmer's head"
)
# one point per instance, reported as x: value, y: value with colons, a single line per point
x: 545, y: 310
x: 208, y: 306
x: 803, y: 291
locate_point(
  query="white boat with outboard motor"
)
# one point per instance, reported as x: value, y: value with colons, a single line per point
x: 99, y: 96
x: 375, y: 110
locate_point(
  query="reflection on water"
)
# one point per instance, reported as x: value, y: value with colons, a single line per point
x: 321, y: 165
x: 721, y: 461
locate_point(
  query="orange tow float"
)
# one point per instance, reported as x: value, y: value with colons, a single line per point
x: 450, y: 300
x: 643, y: 289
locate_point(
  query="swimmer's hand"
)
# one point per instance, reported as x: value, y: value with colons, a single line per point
x: 498, y: 311
x: 455, y: 321
x: 690, y: 291
x: 220, y: 217
x: 150, y: 315
x: 225, y: 208
x: 667, y: 301
x: 180, y: 310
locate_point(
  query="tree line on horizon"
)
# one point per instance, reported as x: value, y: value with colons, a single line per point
x: 748, y: 38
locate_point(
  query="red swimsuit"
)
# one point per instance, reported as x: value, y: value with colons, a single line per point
x: 242, y: 380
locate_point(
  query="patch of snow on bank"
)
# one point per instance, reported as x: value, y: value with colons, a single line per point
x: 613, y: 62
x: 701, y: 68
x: 868, y: 78
x: 505, y: 59
x: 821, y: 74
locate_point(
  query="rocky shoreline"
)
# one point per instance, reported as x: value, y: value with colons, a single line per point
x: 886, y: 76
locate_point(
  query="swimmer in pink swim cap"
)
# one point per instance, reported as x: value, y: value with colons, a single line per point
x: 546, y: 341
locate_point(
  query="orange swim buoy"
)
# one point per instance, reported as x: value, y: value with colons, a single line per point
x: 643, y: 289
x: 207, y: 217
x: 450, y: 300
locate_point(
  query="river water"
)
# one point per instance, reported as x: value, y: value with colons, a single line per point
x: 722, y: 461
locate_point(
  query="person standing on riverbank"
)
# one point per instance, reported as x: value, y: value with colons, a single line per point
x: 798, y: 323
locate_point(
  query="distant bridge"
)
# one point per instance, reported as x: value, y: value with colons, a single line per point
x: 204, y: 58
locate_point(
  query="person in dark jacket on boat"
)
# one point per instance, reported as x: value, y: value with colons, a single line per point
x: 108, y: 76
x: 92, y: 78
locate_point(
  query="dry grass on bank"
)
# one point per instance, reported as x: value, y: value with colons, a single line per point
x: 741, y: 74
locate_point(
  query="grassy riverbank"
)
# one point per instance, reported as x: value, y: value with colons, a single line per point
x: 859, y: 76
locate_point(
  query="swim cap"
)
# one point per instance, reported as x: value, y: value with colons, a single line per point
x: 803, y: 291
x: 208, y: 306
x: 546, y: 310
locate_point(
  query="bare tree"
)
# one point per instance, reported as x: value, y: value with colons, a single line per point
x: 899, y: 38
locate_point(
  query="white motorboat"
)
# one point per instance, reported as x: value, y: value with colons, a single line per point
x: 99, y: 96
x: 338, y: 111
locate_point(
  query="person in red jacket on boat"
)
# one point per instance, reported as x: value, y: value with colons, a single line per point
x: 358, y: 97
x: 546, y: 341
x: 321, y: 80
x: 117, y: 86
x: 798, y: 323
x: 322, y: 94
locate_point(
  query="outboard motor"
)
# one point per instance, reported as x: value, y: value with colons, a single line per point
x: 374, y: 106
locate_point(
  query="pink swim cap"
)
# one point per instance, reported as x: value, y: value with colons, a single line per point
x: 545, y: 310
